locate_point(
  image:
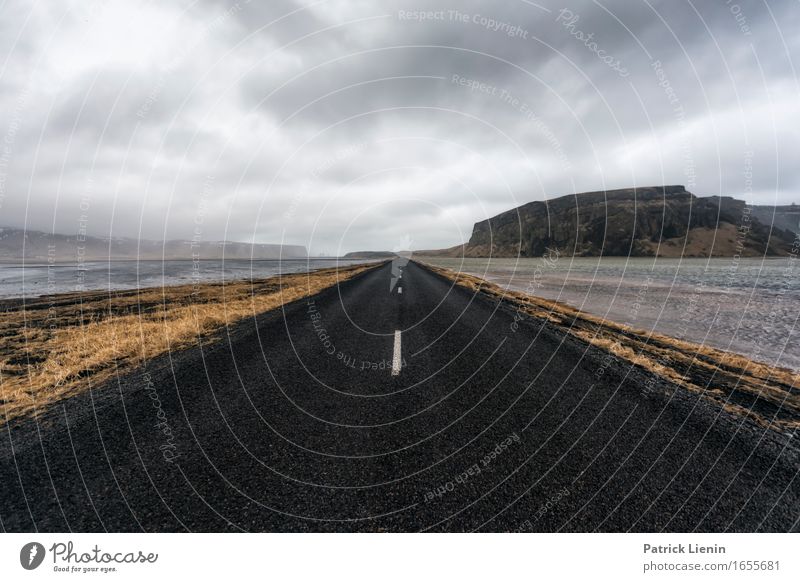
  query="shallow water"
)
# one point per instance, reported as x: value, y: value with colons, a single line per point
x: 749, y: 306
x: 36, y: 280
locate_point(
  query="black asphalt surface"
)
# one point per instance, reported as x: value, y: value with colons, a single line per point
x: 294, y: 422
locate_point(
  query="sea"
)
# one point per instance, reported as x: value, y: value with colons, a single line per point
x: 748, y: 306
x: 37, y: 279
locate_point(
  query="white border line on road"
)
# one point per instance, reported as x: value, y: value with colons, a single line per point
x: 398, y: 353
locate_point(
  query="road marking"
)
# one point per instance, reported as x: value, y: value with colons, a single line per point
x: 398, y: 354
x: 399, y: 290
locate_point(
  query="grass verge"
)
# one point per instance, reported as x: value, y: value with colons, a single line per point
x: 54, y: 347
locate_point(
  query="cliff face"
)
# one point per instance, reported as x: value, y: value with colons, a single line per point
x: 629, y: 222
x: 782, y: 217
x: 17, y: 244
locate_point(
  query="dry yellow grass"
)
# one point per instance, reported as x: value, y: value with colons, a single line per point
x: 54, y: 347
x: 766, y: 394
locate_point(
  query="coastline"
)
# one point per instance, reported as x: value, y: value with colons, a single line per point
x: 30, y: 280
x: 43, y: 262
x: 749, y: 389
x: 747, y: 306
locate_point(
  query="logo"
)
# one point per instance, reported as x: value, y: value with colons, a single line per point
x: 31, y: 555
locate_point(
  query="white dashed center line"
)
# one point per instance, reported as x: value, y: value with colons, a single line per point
x: 397, y: 359
x: 400, y: 290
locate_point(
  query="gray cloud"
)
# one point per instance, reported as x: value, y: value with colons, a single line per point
x: 346, y: 124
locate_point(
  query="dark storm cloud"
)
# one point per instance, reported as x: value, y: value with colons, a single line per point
x: 355, y: 124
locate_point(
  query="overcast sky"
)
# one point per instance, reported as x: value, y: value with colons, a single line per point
x: 345, y: 124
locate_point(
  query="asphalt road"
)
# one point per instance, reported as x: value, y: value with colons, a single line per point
x: 296, y: 421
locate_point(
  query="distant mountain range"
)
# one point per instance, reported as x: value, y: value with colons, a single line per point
x: 667, y: 221
x: 31, y: 245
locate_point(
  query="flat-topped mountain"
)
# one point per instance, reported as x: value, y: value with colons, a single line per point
x: 32, y: 245
x: 667, y: 221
